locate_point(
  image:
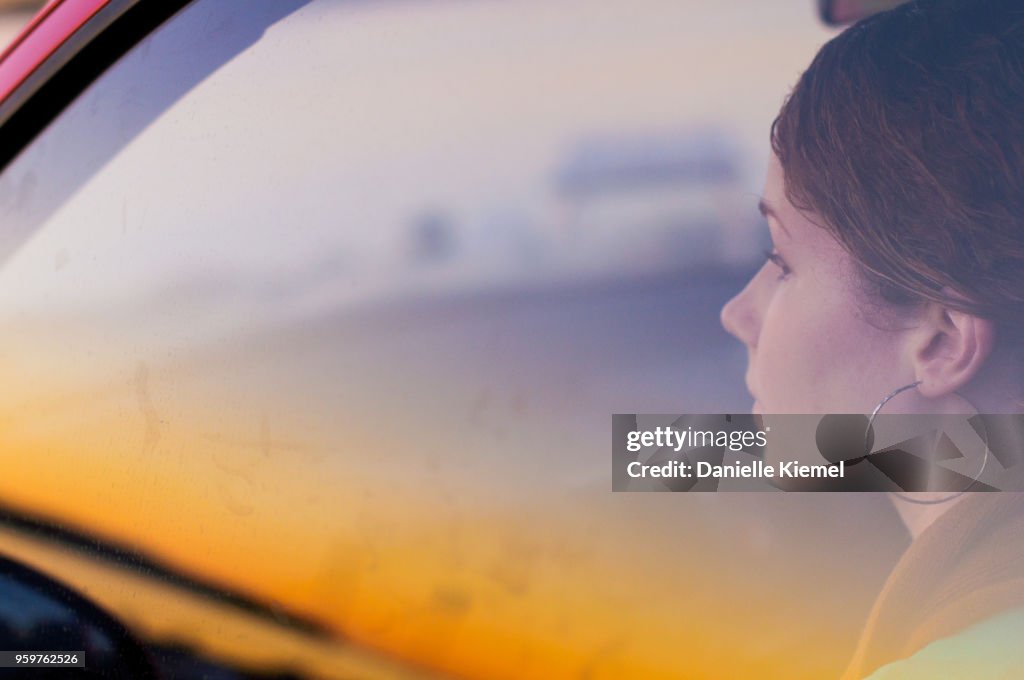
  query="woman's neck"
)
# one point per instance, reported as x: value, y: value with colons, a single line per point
x: 919, y: 516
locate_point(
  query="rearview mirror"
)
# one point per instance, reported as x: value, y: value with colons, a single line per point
x: 40, y: 615
x: 841, y: 12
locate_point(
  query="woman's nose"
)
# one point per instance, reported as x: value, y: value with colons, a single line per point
x: 740, y: 316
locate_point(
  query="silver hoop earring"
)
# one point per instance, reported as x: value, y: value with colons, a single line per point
x: 901, y: 494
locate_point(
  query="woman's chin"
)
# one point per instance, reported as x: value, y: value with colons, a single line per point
x: 756, y: 408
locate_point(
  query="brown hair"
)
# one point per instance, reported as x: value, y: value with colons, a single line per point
x: 906, y: 136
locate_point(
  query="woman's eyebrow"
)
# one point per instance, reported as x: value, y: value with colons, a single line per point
x: 767, y: 211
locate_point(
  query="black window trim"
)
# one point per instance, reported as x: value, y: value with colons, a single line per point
x: 74, y: 65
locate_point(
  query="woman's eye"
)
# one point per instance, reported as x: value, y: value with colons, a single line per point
x: 776, y: 259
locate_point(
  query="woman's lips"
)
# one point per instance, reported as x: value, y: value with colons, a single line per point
x: 756, y: 408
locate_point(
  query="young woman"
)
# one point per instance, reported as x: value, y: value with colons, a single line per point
x: 895, y: 201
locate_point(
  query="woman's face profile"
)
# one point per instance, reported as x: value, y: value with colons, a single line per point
x: 812, y: 346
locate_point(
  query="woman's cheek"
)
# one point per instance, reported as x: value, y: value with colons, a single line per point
x: 788, y: 357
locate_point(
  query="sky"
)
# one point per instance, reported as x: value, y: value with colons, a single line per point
x: 292, y: 455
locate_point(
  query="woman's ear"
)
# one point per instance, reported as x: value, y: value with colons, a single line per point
x: 948, y: 349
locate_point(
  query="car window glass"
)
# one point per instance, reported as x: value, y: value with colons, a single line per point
x: 315, y: 287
